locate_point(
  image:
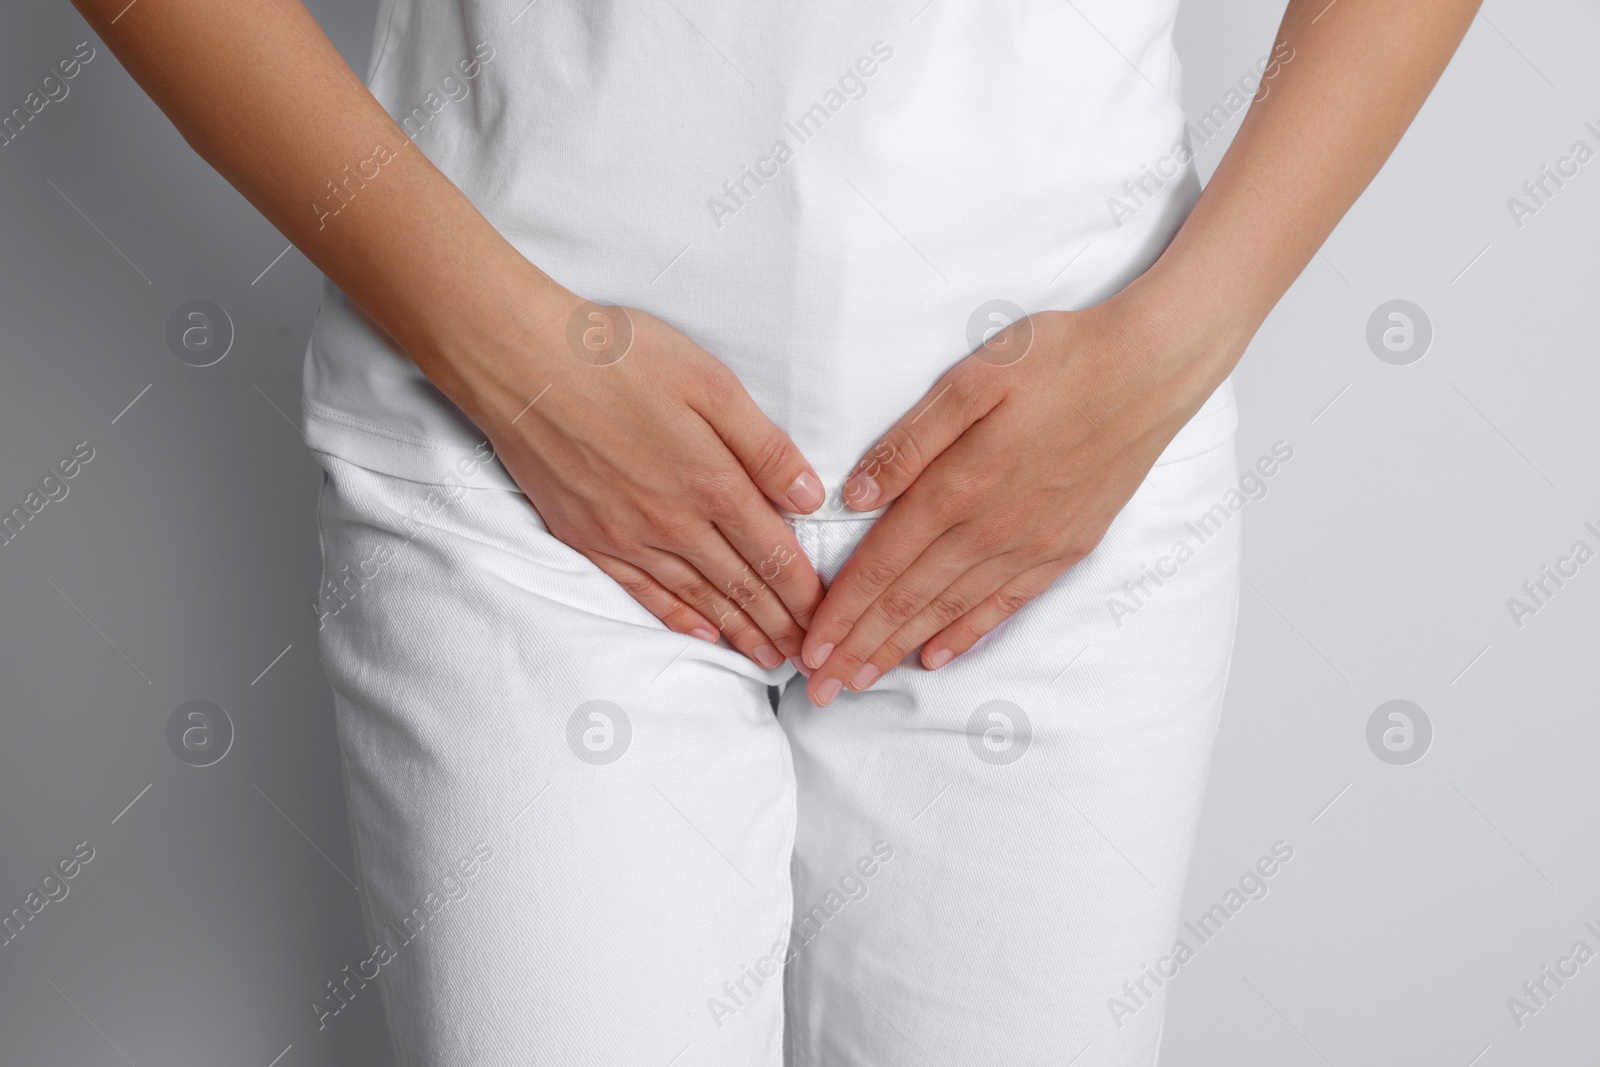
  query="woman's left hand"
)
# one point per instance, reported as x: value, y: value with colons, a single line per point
x: 1008, y: 473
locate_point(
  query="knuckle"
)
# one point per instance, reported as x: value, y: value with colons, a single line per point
x: 965, y: 633
x: 774, y: 455
x: 775, y: 567
x: 633, y: 582
x: 694, y: 589
x: 1078, y: 549
x: 846, y: 660
x: 785, y: 636
x: 735, y: 623
x: 744, y: 586
x: 968, y: 391
x: 741, y: 634
x: 715, y: 491
x: 782, y: 628
x: 957, y: 497
x: 729, y: 615
x: 749, y: 597
x: 1010, y: 601
x: 892, y: 651
x: 673, y: 531
x: 875, y: 574
x: 711, y: 380
x: 662, y: 522
x: 988, y: 538
x: 681, y: 620
x: 897, y: 604
x: 961, y: 389
x: 946, y: 608
x: 901, y: 453
x: 609, y: 533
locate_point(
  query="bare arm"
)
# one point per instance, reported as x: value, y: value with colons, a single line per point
x: 259, y: 91
x: 1020, y: 469
x: 1305, y: 151
x: 674, y: 511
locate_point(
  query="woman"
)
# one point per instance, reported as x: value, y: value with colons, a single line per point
x: 674, y: 355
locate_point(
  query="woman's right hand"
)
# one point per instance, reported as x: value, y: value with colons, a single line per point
x: 649, y: 466
x: 644, y: 453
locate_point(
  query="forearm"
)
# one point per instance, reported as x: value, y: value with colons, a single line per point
x: 259, y: 91
x: 1312, y: 141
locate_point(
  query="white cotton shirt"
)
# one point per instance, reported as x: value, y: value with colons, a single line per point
x: 820, y: 193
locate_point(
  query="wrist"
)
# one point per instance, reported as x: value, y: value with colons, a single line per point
x: 500, y: 336
x: 1175, y: 318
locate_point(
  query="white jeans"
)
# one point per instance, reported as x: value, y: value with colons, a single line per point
x: 585, y: 840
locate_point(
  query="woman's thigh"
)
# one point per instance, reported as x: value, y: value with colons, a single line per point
x: 572, y: 827
x: 986, y: 853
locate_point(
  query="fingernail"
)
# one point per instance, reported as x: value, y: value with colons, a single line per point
x: 862, y: 492
x: 864, y: 677
x: 805, y: 495
x: 827, y: 691
x: 800, y: 665
x: 768, y: 656
x: 708, y: 636
x: 818, y: 656
x: 940, y: 658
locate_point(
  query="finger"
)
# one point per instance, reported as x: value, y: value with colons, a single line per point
x: 953, y: 602
x: 730, y: 496
x: 999, y: 606
x: 892, y: 545
x: 700, y: 592
x: 770, y: 459
x: 959, y: 399
x: 717, y: 559
x: 978, y: 587
x: 657, y: 599
x: 932, y: 575
x: 773, y: 555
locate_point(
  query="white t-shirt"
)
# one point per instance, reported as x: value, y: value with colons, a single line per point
x: 820, y: 193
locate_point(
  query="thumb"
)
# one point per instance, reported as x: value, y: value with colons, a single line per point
x: 944, y: 414
x: 772, y: 460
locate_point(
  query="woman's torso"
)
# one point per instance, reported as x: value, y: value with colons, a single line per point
x: 821, y: 194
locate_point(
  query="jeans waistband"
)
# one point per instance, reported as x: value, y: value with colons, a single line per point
x: 827, y: 514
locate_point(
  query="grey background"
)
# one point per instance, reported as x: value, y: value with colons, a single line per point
x: 1419, y: 499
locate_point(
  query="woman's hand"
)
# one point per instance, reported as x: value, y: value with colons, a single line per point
x: 1012, y: 471
x: 649, y: 466
x: 645, y: 454
x: 1008, y: 473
